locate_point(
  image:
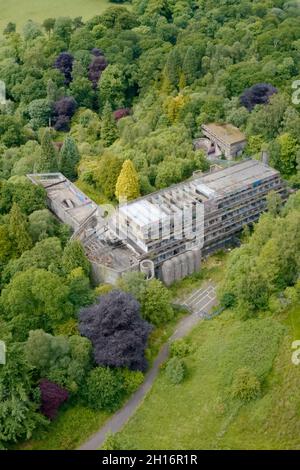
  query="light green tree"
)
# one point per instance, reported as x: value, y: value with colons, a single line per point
x: 127, y: 186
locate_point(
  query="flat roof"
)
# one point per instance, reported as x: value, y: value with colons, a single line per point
x: 225, y: 132
x: 209, y: 186
x: 73, y: 202
x: 143, y: 212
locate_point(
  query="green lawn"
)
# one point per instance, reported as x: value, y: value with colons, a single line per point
x: 200, y: 413
x: 19, y: 11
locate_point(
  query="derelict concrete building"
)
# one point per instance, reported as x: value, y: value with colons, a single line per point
x: 226, y: 140
x: 168, y: 232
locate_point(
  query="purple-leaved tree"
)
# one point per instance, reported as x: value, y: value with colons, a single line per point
x: 118, y: 333
x: 257, y: 94
x: 52, y: 396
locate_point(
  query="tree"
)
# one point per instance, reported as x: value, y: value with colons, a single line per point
x: 64, y: 109
x: 5, y: 245
x: 64, y: 63
x: 35, y: 298
x: 74, y: 257
x: 168, y: 172
x: 96, y: 67
x: 107, y: 173
x: 104, y: 389
x: 29, y: 197
x: 109, y: 131
x: 284, y: 154
x: 31, y: 30
x: 18, y: 410
x: 48, y: 160
x: 69, y: 158
x: 39, y: 112
x: 9, y: 28
x: 127, y: 186
x: 82, y: 91
x: 52, y: 397
x: 173, y: 67
x: 175, y: 370
x: 42, y: 224
x: 274, y: 202
x: 116, y: 330
x: 154, y: 297
x: 63, y: 28
x: 64, y: 360
x: 112, y: 86
x: 190, y: 65
x: 18, y: 231
x: 48, y: 25
x: 258, y: 94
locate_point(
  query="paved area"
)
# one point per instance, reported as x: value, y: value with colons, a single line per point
x: 200, y: 302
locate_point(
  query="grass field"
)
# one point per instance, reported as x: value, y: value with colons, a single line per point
x: 19, y: 11
x: 200, y: 413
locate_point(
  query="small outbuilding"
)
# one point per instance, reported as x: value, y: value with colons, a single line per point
x: 226, y: 139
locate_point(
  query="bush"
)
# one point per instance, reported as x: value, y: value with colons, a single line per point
x: 245, y: 385
x: 104, y: 389
x: 132, y: 380
x: 175, y: 370
x: 180, y: 348
x: 52, y: 396
x: 228, y: 300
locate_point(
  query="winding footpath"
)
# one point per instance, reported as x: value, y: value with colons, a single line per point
x: 200, y: 302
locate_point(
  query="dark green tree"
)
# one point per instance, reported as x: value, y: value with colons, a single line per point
x: 69, y: 158
x: 74, y: 257
x: 190, y: 65
x: 18, y: 231
x: 173, y: 67
x: 109, y: 131
x: 48, y: 160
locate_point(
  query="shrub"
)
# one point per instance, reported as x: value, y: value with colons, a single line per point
x: 175, y: 370
x: 52, y: 396
x: 245, y: 385
x: 180, y: 348
x: 104, y: 389
x: 132, y: 380
x: 228, y: 300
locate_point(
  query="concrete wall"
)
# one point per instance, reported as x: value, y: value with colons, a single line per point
x: 180, y: 266
x: 103, y: 274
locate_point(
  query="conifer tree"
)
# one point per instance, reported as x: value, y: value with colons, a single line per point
x: 69, y: 158
x: 127, y: 186
x: 48, y: 160
x: 190, y: 66
x: 18, y: 231
x: 74, y: 257
x: 173, y: 67
x: 109, y: 130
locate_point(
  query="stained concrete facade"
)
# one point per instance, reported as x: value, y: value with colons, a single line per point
x: 226, y: 139
x: 168, y: 232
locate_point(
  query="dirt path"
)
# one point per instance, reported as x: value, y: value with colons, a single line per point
x: 201, y: 301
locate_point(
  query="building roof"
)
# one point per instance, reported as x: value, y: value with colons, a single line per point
x: 64, y: 194
x: 164, y: 203
x: 225, y: 132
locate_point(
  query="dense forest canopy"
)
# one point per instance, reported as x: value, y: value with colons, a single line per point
x: 115, y: 103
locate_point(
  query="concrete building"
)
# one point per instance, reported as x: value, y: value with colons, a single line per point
x: 222, y: 139
x: 167, y: 233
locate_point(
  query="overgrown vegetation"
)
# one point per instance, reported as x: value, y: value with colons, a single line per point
x: 115, y: 102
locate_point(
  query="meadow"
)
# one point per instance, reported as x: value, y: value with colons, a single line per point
x: 19, y: 11
x: 200, y: 413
